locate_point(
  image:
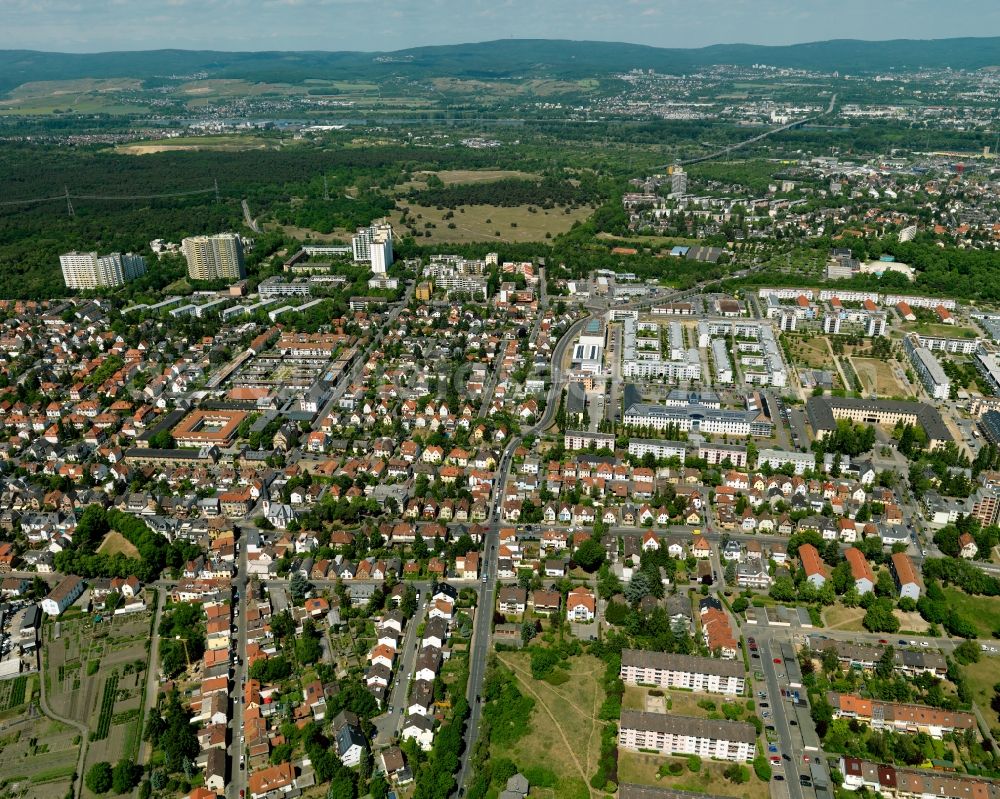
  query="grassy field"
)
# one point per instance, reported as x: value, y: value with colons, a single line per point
x: 644, y: 769
x: 676, y: 703
x: 982, y: 676
x: 233, y: 143
x: 115, y: 543
x: 452, y: 176
x: 490, y: 223
x: 565, y: 734
x: 812, y: 353
x: 877, y: 376
x: 935, y: 329
x: 653, y: 242
x: 983, y: 611
x: 838, y: 617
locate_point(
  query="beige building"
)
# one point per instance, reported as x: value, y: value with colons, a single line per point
x: 218, y: 257
x: 87, y: 270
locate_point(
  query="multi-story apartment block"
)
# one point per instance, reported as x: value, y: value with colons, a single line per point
x: 373, y: 245
x: 721, y: 740
x: 694, y: 673
x: 928, y: 368
x: 88, y: 270
x: 218, y: 257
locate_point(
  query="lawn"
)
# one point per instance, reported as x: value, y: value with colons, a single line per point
x: 678, y: 703
x: 838, y: 617
x: 564, y: 734
x: 983, y: 611
x: 115, y: 543
x: 982, y: 676
x: 935, y: 329
x: 643, y: 769
x: 877, y: 376
x: 812, y: 353
x: 490, y: 223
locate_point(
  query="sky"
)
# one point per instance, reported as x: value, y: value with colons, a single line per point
x: 379, y: 25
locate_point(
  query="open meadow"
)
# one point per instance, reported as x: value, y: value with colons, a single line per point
x: 563, y: 744
x: 488, y: 223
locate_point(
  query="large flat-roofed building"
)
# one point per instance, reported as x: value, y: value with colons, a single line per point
x: 989, y: 423
x: 928, y: 368
x: 208, y: 427
x: 776, y: 458
x: 709, y: 738
x: 823, y: 413
x: 988, y: 365
x: 218, y: 257
x: 88, y: 270
x: 667, y: 670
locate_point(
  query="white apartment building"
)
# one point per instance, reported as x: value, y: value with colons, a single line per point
x: 659, y: 448
x: 88, y: 270
x: 693, y: 673
x: 373, y: 245
x: 722, y: 740
x: 928, y: 368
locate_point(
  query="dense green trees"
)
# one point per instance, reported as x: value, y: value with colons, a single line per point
x: 99, y: 777
x: 170, y: 730
x: 95, y: 522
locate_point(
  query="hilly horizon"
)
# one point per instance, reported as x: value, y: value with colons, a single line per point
x: 498, y: 59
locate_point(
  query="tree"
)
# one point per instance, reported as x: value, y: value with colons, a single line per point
x: 125, y: 776
x: 99, y: 777
x: 298, y: 586
x: 589, y: 555
x: 879, y: 617
x: 528, y: 632
x: 967, y: 652
x: 638, y: 587
x: 307, y: 648
x: 886, y: 664
x: 408, y: 604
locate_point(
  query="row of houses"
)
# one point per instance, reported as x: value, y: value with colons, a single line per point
x: 907, y: 783
x: 908, y: 718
